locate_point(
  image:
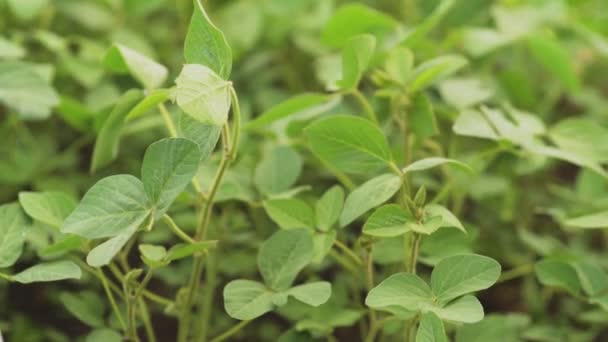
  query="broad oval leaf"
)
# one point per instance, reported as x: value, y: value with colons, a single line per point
x: 205, y: 44
x: 350, y: 143
x: 369, y: 195
x: 429, y: 72
x: 49, y: 271
x: 122, y: 59
x: 466, y: 309
x: 86, y: 306
x: 447, y: 217
x: 554, y: 57
x: 431, y: 329
x: 462, y: 274
x: 290, y: 213
x: 388, y: 221
x: 428, y: 163
x: 205, y: 135
x: 313, y: 294
x: 51, y: 208
x: 103, y: 253
x: 113, y: 205
x: 355, y: 58
x: 283, y: 256
x: 202, y: 94
x: 12, y: 233
x: 246, y: 299
x: 405, y: 290
x: 329, y: 207
x: 168, y: 166
x: 557, y: 273
x: 353, y: 19
x: 278, y: 170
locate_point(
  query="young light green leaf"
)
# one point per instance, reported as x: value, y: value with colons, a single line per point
x: 49, y: 271
x: 405, y: 290
x: 205, y: 135
x: 472, y: 123
x: 113, y: 205
x: 448, y: 219
x: 313, y: 294
x: 246, y: 299
x: 10, y: 49
x: 388, y: 221
x: 292, y: 106
x: 51, y: 208
x: 278, y: 170
x: 24, y: 90
x: 290, y: 213
x: 103, y: 253
x: 153, y: 252
x: 422, y: 117
x: 353, y: 19
x: 205, y: 44
x: 202, y: 94
x: 86, y: 306
x: 349, y: 143
x: 183, y: 250
x: 283, y: 256
x: 462, y: 274
x: 168, y: 166
x: 68, y: 243
x: 427, y: 163
x: 369, y: 195
x: 597, y: 220
x: 431, y: 329
x: 122, y: 59
x: 329, y: 207
x: 429, y: 23
x: 399, y: 64
x: 553, y: 57
x: 429, y: 72
x: 26, y: 10
x: 108, y: 138
x: 322, y: 244
x: 104, y: 335
x: 464, y: 92
x: 557, y: 273
x: 355, y: 58
x: 466, y: 309
x: 12, y: 233
x: 582, y: 137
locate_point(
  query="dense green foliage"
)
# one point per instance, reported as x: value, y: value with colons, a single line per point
x: 303, y: 170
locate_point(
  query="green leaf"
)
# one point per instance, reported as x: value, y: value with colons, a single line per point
x: 313, y: 294
x: 12, y: 233
x: 51, y: 208
x: 205, y: 44
x: 427, y: 163
x: 557, y: 273
x: 388, y: 221
x: 246, y: 299
x: 106, y: 251
x: 430, y: 72
x: 152, y: 99
x: 472, y: 123
x: 278, y: 170
x: 349, y: 143
x: 448, y: 219
x: 183, y: 250
x: 27, y: 10
x: 399, y: 64
x: 369, y: 195
x: 554, y: 57
x: 329, y: 207
x: 283, y: 256
x: 68, y: 243
x: 462, y: 274
x: 202, y: 94
x: 86, y: 306
x: 152, y: 252
x: 353, y: 19
x: 205, y: 135
x: 429, y: 23
x: 592, y: 277
x: 495, y: 327
x: 122, y: 59
x: 356, y: 56
x: 75, y: 114
x: 113, y: 205
x: 290, y: 107
x: 49, y: 271
x: 431, y: 329
x: 168, y: 166
x: 290, y: 213
x: 108, y: 139
x: 582, y: 137
x: 422, y: 117
x: 25, y: 91
x: 597, y: 220
x: 466, y: 309
x: 464, y: 92
x: 104, y: 335
x: 10, y: 49
x: 404, y: 290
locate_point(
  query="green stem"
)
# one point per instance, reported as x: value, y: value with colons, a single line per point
x: 367, y: 108
x: 147, y: 294
x: 106, y: 287
x: 353, y: 256
x: 516, y: 272
x: 6, y: 277
x: 167, y: 119
x: 231, y: 331
x: 175, y: 228
x: 145, y: 318
x: 211, y: 282
x: 413, y: 259
x: 373, y: 319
